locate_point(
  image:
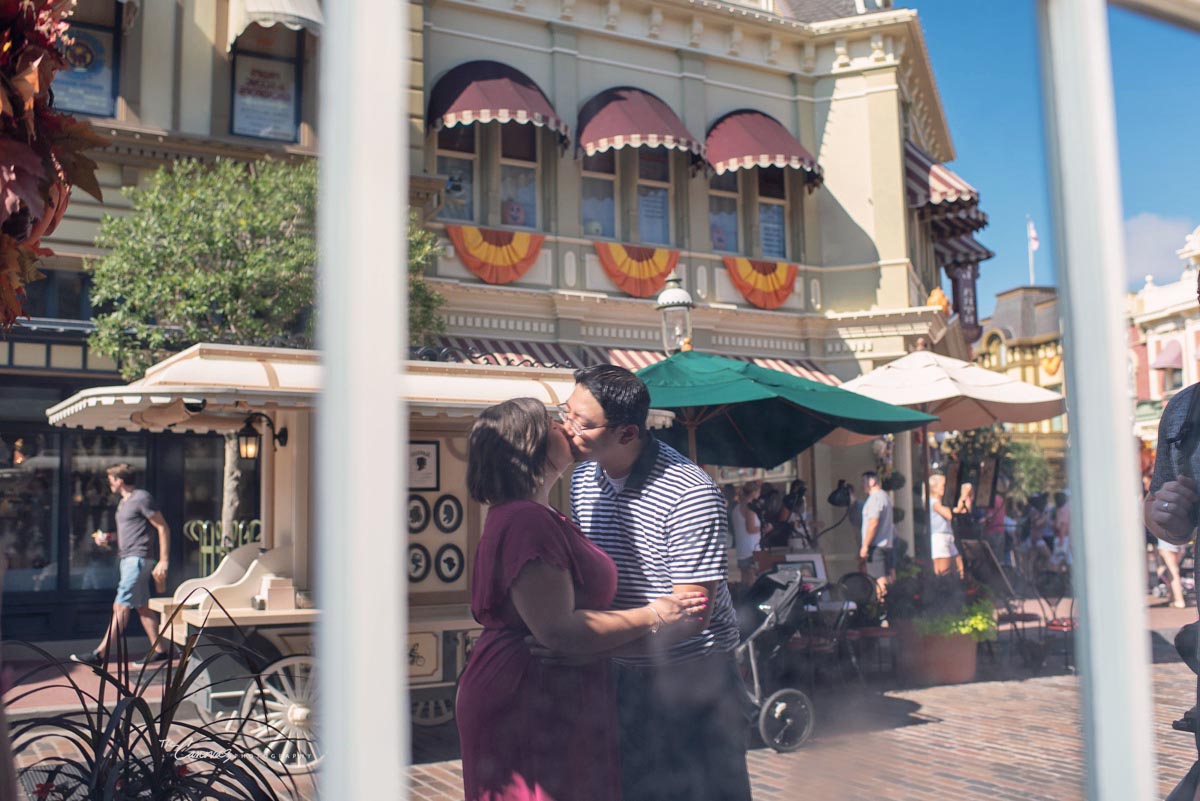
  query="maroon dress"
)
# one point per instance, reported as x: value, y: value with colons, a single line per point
x: 531, y: 731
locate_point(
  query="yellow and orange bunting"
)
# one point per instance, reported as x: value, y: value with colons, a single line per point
x: 1052, y: 364
x: 637, y: 271
x: 497, y: 257
x: 766, y: 284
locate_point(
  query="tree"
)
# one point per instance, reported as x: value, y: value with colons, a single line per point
x: 224, y: 253
x: 1023, y: 462
x: 1030, y: 471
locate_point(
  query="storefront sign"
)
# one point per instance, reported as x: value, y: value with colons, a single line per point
x: 87, y: 87
x: 962, y: 279
x: 264, y: 98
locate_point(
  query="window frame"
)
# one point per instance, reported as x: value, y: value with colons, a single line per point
x: 474, y: 158
x: 613, y: 178
x: 668, y: 185
x: 114, y: 30
x: 502, y: 161
x: 297, y: 62
x: 785, y: 202
x: 739, y: 207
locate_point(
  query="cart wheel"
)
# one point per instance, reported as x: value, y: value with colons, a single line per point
x: 433, y: 712
x: 786, y: 720
x: 280, y: 719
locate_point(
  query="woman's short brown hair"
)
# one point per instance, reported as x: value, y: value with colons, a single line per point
x: 508, y: 449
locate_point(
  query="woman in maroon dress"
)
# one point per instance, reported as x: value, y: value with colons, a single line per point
x: 531, y: 730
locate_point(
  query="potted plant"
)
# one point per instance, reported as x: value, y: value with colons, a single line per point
x: 939, y: 621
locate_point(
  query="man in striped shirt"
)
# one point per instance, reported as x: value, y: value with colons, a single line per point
x: 662, y: 520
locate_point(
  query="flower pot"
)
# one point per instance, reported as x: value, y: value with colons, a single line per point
x: 934, y: 659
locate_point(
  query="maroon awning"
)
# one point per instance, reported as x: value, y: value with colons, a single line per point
x: 1170, y: 357
x: 628, y: 117
x: 945, y: 199
x: 960, y: 250
x: 488, y: 91
x: 746, y: 138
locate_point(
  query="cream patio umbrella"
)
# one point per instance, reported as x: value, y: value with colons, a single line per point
x: 962, y: 395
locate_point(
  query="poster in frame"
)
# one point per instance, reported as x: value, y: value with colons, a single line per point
x: 423, y: 473
x: 989, y: 474
x: 811, y: 564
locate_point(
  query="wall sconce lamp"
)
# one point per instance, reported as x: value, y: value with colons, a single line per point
x: 250, y: 441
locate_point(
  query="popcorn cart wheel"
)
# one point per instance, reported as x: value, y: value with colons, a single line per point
x: 280, y: 714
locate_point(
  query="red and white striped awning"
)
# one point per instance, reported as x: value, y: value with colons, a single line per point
x: 507, y: 352
x: 943, y: 197
x: 637, y: 359
x: 960, y: 250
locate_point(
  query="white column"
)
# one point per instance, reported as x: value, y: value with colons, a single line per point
x: 360, y: 585
x: 1112, y: 648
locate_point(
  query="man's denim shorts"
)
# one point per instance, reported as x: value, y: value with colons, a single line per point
x: 134, y: 587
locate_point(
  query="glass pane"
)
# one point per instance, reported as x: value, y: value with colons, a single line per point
x: 728, y: 182
x: 723, y: 222
x: 599, y: 208
x: 460, y: 188
x: 518, y: 193
x: 86, y: 87
x: 518, y: 142
x: 460, y: 139
x: 605, y: 162
x: 93, y: 505
x: 29, y: 470
x: 72, y: 291
x: 654, y: 164
x: 37, y: 296
x: 203, y: 487
x: 265, y: 98
x: 772, y: 230
x: 28, y: 403
x: 771, y: 183
x: 654, y: 210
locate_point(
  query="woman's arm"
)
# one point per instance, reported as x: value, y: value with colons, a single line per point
x: 941, y: 508
x: 753, y: 526
x: 545, y: 599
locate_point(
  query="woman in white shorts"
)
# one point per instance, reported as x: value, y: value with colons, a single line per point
x: 946, y: 558
x: 1171, y: 554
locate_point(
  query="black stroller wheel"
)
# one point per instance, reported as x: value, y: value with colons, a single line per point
x: 786, y: 720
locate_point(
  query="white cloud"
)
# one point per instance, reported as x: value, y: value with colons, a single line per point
x: 1151, y: 242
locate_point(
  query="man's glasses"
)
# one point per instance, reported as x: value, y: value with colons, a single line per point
x: 565, y: 417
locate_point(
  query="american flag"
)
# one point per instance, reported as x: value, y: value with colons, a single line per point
x: 1033, y: 237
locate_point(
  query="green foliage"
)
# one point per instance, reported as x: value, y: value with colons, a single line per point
x: 976, y: 619
x: 1030, y: 471
x: 423, y: 302
x: 223, y: 253
x: 940, y: 605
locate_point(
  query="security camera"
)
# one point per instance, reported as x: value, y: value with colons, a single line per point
x: 194, y: 405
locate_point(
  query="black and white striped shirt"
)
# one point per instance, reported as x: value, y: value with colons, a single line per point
x: 666, y: 526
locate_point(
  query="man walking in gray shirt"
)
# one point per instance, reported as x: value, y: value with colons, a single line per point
x: 138, y: 517
x: 878, y: 532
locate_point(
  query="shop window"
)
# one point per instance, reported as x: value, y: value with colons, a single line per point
x: 93, y: 506
x: 267, y: 68
x: 723, y: 212
x: 204, y: 542
x: 654, y: 195
x: 456, y: 159
x: 599, y: 208
x: 61, y: 295
x: 518, y: 175
x: 29, y: 487
x: 772, y: 212
x: 89, y: 84
x: 1172, y: 379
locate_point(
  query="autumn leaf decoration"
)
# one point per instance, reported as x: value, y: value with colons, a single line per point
x: 41, y: 150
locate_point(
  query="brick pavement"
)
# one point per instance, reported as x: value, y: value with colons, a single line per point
x: 1017, y: 738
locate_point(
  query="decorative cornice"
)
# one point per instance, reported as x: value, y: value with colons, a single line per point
x: 151, y: 147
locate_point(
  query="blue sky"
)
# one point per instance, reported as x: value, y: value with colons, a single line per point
x: 985, y: 57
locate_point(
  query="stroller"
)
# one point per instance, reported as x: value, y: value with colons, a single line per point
x: 769, y: 614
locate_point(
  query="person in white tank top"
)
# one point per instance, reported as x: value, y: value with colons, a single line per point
x: 941, y: 534
x: 747, y: 531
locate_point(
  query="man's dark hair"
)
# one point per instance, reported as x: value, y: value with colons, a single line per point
x: 621, y: 394
x: 506, y: 455
x: 123, y: 473
x: 871, y: 475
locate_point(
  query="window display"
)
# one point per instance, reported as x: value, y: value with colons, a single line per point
x: 29, y: 480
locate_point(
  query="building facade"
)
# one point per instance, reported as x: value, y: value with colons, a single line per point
x: 1023, y: 339
x: 198, y: 79
x: 1164, y: 343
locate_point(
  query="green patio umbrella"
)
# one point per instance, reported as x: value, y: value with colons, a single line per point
x: 737, y: 414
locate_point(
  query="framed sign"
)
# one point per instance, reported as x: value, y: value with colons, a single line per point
x: 810, y: 563
x: 266, y: 101
x: 423, y: 466
x: 418, y: 514
x: 418, y: 563
x: 449, y: 563
x: 88, y: 85
x: 989, y: 474
x: 447, y: 514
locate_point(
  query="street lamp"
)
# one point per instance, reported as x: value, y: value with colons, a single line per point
x: 676, y: 306
x: 250, y: 441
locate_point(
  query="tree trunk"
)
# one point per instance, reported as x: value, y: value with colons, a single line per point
x: 230, y: 487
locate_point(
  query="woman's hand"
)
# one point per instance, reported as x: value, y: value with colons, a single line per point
x: 682, y: 607
x: 1169, y: 511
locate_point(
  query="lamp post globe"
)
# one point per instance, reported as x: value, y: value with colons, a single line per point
x: 675, y: 305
